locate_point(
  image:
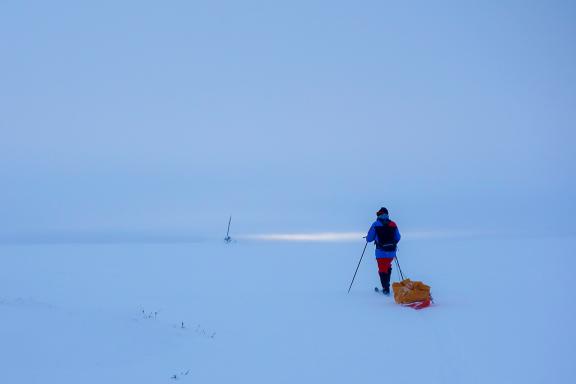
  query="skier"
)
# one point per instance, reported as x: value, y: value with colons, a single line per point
x: 385, y: 234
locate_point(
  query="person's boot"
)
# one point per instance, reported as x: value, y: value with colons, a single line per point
x: 388, y: 279
x: 385, y: 281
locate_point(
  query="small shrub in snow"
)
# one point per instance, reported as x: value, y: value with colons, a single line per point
x: 199, y: 330
x: 177, y: 376
x: 149, y: 315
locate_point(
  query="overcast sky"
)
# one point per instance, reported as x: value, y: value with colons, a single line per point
x: 166, y: 116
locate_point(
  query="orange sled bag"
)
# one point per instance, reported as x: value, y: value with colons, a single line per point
x: 413, y: 294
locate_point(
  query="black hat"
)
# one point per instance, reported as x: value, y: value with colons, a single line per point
x: 382, y: 211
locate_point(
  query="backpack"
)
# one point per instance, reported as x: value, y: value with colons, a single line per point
x: 385, y: 236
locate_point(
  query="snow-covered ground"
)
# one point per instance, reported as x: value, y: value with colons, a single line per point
x: 259, y: 311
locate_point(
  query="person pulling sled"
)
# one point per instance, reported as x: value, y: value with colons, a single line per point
x: 385, y: 234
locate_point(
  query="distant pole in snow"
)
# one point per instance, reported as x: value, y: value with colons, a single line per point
x: 228, y: 238
x: 352, y: 282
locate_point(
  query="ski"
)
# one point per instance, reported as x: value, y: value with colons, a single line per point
x: 378, y: 290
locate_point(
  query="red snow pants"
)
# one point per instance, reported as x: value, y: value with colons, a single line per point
x: 384, y: 265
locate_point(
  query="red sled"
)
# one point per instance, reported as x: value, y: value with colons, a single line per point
x: 418, y: 304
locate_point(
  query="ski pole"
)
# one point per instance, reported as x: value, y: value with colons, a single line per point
x: 398, y: 265
x: 352, y: 282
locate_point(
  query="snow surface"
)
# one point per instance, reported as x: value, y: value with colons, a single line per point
x: 278, y: 312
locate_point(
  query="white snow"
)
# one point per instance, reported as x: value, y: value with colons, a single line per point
x: 278, y: 312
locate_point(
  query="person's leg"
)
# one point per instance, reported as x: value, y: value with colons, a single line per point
x: 384, y: 271
x: 385, y: 280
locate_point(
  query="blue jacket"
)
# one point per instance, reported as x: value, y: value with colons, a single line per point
x: 372, y: 236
